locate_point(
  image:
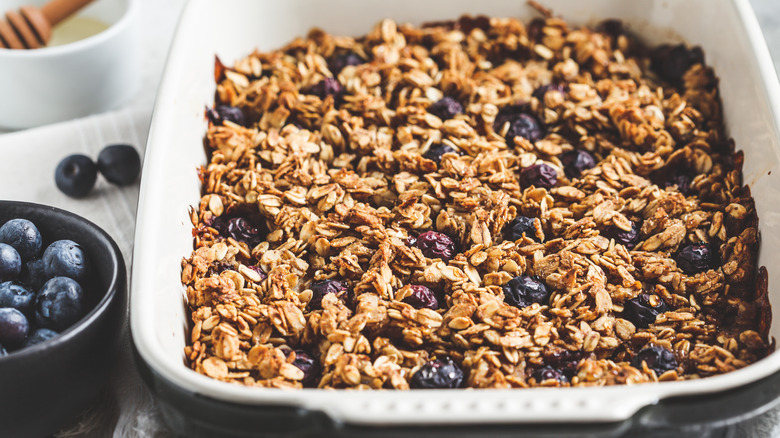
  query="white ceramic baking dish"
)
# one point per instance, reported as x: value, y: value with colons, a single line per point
x: 728, y: 32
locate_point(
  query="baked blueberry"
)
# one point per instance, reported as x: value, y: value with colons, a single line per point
x: 577, y: 161
x: 24, y: 236
x: 539, y: 175
x: 547, y: 373
x: 542, y: 90
x: 259, y: 271
x: 222, y: 113
x: 437, y: 374
x: 682, y: 182
x: 321, y: 288
x: 338, y: 62
x: 657, y: 358
x: 671, y: 62
x: 520, y: 226
x: 446, y: 108
x: 436, y: 150
x: 327, y: 87
x: 10, y: 262
x: 629, y: 239
x: 242, y: 230
x: 59, y: 304
x: 422, y: 297
x: 16, y: 296
x: 64, y: 258
x: 307, y: 364
x: 119, y: 164
x: 524, y: 290
x: 436, y: 245
x: 75, y: 175
x: 696, y: 258
x: 38, y: 336
x: 644, y: 309
x: 520, y: 124
x: 13, y: 327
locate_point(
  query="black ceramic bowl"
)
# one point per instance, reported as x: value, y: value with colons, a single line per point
x: 44, y: 386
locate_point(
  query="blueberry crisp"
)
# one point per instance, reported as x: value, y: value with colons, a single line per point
x: 477, y: 203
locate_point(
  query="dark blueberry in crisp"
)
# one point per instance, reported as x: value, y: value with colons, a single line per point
x: 321, y: 288
x: 307, y: 364
x: 16, y: 296
x: 696, y: 258
x: 34, y: 274
x: 643, y: 309
x: 671, y: 62
x: 520, y: 123
x: 75, y: 175
x: 338, y: 62
x: 439, y: 373
x: 119, y: 164
x: 547, y: 373
x: 228, y: 113
x: 327, y: 87
x: 629, y: 239
x: 60, y: 303
x: 241, y: 230
x: 259, y: 271
x: 38, y: 336
x: 520, y: 226
x: 657, y: 358
x: 24, y: 236
x: 446, y: 108
x: 10, y: 262
x: 411, y: 240
x: 436, y: 150
x: 540, y: 91
x: 13, y: 327
x: 422, y: 297
x: 683, y: 183
x: 524, y: 290
x: 577, y: 161
x: 539, y: 175
x: 64, y: 258
x: 566, y: 361
x: 436, y: 245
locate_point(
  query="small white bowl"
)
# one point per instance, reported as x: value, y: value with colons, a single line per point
x: 87, y: 76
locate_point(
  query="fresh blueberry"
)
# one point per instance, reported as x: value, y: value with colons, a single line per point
x: 327, y: 87
x: 75, y: 175
x: 307, y: 364
x: 321, y: 288
x: 33, y: 274
x: 439, y: 373
x: 446, y: 108
x: 524, y: 290
x: 436, y: 150
x: 422, y: 297
x: 65, y: 258
x: 520, y: 123
x: 24, y: 236
x: 683, y: 183
x: 644, y: 309
x: 13, y: 327
x: 577, y: 161
x: 520, y: 226
x: 542, y: 90
x: 60, y: 303
x: 338, y: 62
x: 222, y: 113
x: 657, y: 358
x: 38, y: 336
x: 696, y: 258
x: 16, y: 296
x: 629, y: 239
x: 539, y: 175
x: 436, y: 245
x: 671, y: 62
x: 10, y: 262
x: 120, y: 164
x: 547, y: 373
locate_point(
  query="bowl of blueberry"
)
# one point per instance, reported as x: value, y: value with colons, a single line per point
x: 63, y: 298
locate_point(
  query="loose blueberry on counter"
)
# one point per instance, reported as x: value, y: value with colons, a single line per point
x: 10, y: 262
x: 657, y: 358
x: 307, y: 364
x: 436, y: 150
x: 16, y: 296
x: 64, y: 258
x: 524, y: 290
x: 60, y: 303
x: 629, y: 239
x: 321, y: 288
x: 520, y: 226
x: 696, y: 258
x: 75, y: 175
x: 437, y: 374
x: 13, y: 327
x: 119, y: 164
x: 683, y: 183
x: 520, y: 123
x: 539, y: 175
x: 436, y: 245
x: 641, y: 312
x: 542, y: 90
x: 327, y: 87
x: 34, y: 274
x: 338, y: 62
x: 422, y: 297
x: 228, y: 113
x: 2, y: 351
x: 577, y: 161
x: 671, y: 62
x: 38, y: 336
x: 446, y: 108
x: 24, y: 236
x: 547, y: 373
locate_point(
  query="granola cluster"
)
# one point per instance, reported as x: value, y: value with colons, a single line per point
x: 590, y: 225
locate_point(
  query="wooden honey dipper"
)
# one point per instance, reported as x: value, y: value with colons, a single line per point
x: 30, y: 27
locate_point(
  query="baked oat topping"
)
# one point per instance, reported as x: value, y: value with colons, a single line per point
x: 478, y: 203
